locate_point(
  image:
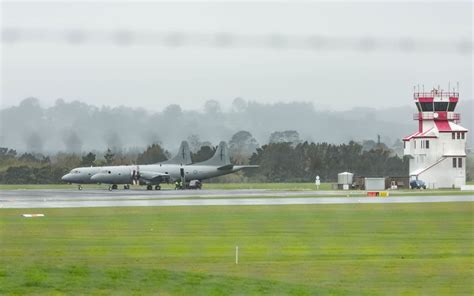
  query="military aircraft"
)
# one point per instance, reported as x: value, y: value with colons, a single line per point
x: 83, y: 175
x: 156, y: 174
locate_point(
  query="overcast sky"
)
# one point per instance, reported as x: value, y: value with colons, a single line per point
x: 153, y: 76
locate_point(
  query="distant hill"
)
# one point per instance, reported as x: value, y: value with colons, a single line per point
x: 76, y: 126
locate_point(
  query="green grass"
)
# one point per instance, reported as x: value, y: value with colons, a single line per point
x: 369, y: 249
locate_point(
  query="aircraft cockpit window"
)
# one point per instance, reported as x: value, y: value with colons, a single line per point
x: 110, y: 172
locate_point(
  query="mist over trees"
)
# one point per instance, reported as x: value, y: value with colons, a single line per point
x: 80, y: 128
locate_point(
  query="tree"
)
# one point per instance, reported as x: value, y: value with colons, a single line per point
x: 109, y: 157
x: 239, y: 105
x: 242, y: 146
x: 66, y: 160
x: 29, y: 157
x: 203, y: 154
x: 194, y: 143
x: 212, y: 107
x: 88, y: 159
x: 172, y: 111
x: 152, y: 154
x: 6, y: 153
x: 113, y: 142
x: 290, y: 136
x: 279, y: 162
x: 72, y: 142
x: 34, y: 143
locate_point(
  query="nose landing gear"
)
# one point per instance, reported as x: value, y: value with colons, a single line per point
x: 79, y: 187
x: 113, y: 187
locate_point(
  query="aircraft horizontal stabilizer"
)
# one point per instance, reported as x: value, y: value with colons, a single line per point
x: 239, y: 167
x: 236, y: 167
x: 226, y: 167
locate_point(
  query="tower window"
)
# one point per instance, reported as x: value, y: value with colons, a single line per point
x: 427, y: 144
x: 454, y: 162
x: 440, y: 106
x: 418, y: 107
x: 459, y: 162
x: 453, y: 135
x: 427, y: 106
x: 452, y: 106
x: 462, y: 136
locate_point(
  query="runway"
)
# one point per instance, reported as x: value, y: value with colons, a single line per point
x: 140, y: 198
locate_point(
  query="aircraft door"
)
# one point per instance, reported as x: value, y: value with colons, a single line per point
x: 136, y: 175
x: 183, y: 178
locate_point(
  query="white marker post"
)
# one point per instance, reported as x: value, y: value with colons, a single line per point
x: 236, y: 254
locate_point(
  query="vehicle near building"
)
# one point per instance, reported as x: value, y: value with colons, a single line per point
x: 417, y: 184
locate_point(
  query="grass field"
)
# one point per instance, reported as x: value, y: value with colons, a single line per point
x: 370, y: 249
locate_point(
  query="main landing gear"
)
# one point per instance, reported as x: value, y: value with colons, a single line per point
x: 113, y: 187
x: 79, y: 187
x: 126, y: 187
x: 150, y: 187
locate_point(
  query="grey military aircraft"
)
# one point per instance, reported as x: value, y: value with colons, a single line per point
x: 156, y: 174
x: 83, y: 175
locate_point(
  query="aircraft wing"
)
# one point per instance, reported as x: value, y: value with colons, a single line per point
x: 150, y: 176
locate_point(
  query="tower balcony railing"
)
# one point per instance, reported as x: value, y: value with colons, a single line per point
x: 441, y: 116
x: 438, y: 94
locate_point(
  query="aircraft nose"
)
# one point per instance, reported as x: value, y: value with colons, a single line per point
x: 66, y: 178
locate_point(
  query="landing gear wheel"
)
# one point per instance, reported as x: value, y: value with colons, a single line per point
x: 114, y: 186
x: 126, y: 187
x: 149, y: 187
x: 157, y: 187
x: 110, y: 188
x: 79, y: 187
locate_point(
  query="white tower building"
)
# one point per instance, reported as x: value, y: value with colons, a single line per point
x: 438, y: 149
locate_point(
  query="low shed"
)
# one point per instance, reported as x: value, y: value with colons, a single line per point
x: 374, y: 184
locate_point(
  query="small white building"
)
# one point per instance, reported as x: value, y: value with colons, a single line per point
x: 438, y: 149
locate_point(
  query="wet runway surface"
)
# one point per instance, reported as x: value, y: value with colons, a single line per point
x: 61, y: 198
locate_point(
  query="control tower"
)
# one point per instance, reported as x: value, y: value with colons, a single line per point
x: 438, y: 149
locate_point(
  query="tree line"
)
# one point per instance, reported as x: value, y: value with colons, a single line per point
x: 279, y: 161
x: 285, y: 162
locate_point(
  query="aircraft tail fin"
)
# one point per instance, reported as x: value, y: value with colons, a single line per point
x: 183, y: 156
x: 220, y: 158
